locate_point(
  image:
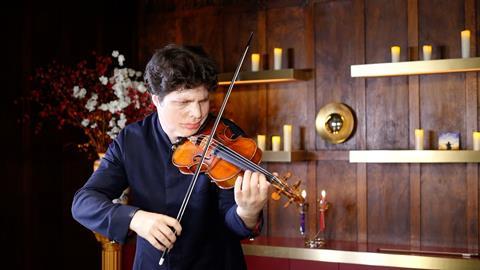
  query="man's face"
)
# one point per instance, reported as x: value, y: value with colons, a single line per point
x: 182, y: 112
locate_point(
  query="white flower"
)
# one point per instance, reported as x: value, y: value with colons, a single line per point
x: 104, y: 80
x: 138, y: 73
x: 115, y: 54
x: 131, y: 72
x: 79, y: 93
x: 103, y: 107
x: 113, y: 132
x: 141, y: 87
x: 122, y: 121
x: 94, y: 125
x: 121, y: 59
x: 112, y: 122
x: 91, y: 103
x: 85, y: 122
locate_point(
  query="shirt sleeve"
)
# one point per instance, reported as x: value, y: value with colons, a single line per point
x: 92, y: 204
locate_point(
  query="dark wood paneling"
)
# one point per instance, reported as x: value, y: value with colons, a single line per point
x: 334, y: 51
x: 388, y: 204
x: 414, y: 123
x: 442, y: 108
x: 471, y: 87
x: 443, y: 206
x: 337, y: 178
x: 387, y: 124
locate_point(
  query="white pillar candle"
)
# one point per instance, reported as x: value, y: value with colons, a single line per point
x: 261, y: 142
x: 276, y: 143
x: 255, y: 61
x: 287, y: 138
x: 476, y: 140
x: 418, y: 139
x: 427, y: 52
x: 277, y: 58
x: 395, y: 54
x: 465, y: 43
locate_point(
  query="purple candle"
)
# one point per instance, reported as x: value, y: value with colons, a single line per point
x: 302, y: 219
x: 303, y: 209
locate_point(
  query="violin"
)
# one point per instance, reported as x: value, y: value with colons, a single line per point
x: 228, y: 156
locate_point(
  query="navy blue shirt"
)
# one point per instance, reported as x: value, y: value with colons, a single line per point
x: 140, y: 158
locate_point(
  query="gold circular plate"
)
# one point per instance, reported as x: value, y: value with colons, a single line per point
x: 335, y: 122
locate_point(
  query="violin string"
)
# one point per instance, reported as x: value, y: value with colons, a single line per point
x: 254, y: 167
x: 248, y: 164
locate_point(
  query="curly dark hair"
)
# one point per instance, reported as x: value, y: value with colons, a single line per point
x: 174, y: 67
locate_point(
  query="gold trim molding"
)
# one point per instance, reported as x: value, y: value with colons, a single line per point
x: 416, y: 67
x: 362, y: 258
x: 414, y: 156
x: 266, y: 76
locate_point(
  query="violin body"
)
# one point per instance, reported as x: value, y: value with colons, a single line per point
x: 187, y: 156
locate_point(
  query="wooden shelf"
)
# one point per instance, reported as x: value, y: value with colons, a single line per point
x: 414, y: 156
x: 266, y: 76
x: 416, y: 67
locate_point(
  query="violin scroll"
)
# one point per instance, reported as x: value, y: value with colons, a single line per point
x: 291, y: 192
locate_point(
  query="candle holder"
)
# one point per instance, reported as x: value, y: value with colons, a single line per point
x: 319, y: 240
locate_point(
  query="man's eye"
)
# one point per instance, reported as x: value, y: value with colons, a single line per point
x: 182, y: 102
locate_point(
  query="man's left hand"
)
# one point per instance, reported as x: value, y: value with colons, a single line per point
x: 251, y: 194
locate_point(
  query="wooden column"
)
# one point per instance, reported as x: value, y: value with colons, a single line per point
x: 111, y: 251
x: 414, y: 122
x: 471, y: 102
x: 361, y: 125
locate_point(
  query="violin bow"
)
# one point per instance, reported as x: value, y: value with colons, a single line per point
x: 186, y: 199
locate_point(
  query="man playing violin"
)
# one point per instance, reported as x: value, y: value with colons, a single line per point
x: 179, y: 80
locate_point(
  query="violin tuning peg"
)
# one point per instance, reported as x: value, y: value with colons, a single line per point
x: 287, y: 203
x: 297, y: 184
x: 288, y: 175
x: 275, y: 196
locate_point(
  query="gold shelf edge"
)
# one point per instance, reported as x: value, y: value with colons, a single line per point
x: 362, y: 258
x: 414, y: 156
x: 416, y: 67
x: 266, y: 76
x: 284, y: 156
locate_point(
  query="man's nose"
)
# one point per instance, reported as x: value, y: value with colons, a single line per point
x: 196, y: 110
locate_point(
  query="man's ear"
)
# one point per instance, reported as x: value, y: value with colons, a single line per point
x: 156, y: 100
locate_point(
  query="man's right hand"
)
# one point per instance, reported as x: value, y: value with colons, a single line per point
x: 157, y: 229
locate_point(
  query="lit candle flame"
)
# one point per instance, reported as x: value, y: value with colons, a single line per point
x: 304, y: 193
x: 324, y: 194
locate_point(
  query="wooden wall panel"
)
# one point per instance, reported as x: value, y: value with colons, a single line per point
x: 387, y: 124
x: 334, y: 84
x: 442, y: 108
x: 337, y: 178
x: 386, y: 98
x: 285, y: 28
x: 334, y: 50
x: 245, y: 101
x: 443, y: 206
x: 388, y: 204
